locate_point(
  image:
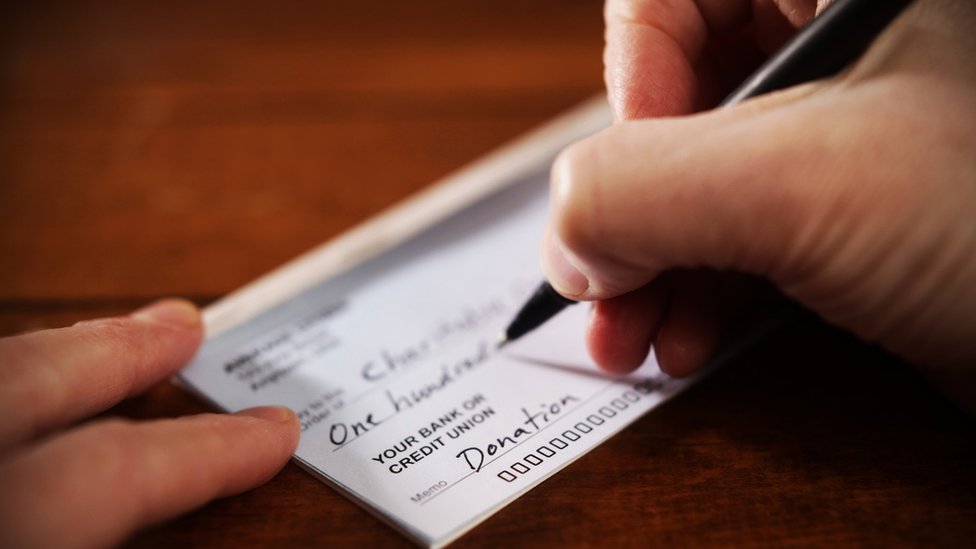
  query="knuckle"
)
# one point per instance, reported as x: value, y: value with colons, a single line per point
x: 572, y: 187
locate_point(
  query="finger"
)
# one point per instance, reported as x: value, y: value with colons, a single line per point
x: 93, y: 486
x: 684, y: 313
x: 648, y: 63
x: 775, y: 21
x: 655, y: 50
x: 621, y: 329
x: 53, y: 377
x: 700, y: 307
x: 725, y: 190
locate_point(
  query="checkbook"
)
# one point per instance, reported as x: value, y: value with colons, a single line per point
x: 383, y: 341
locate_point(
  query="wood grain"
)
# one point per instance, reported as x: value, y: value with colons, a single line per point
x: 151, y: 149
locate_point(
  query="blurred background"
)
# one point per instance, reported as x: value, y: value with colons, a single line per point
x: 186, y: 147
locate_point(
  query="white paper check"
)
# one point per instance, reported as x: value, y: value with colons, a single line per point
x: 384, y: 344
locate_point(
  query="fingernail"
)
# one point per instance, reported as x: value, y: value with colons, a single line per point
x: 278, y: 414
x: 562, y: 274
x: 176, y: 312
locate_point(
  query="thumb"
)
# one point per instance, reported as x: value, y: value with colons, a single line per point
x: 857, y: 202
x: 727, y: 190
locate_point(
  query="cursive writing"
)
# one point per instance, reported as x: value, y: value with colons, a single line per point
x: 534, y: 420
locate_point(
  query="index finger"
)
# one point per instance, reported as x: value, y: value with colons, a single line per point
x: 655, y: 57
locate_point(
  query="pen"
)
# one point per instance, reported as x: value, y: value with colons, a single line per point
x: 822, y: 48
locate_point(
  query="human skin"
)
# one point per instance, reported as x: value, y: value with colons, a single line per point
x: 92, y: 485
x: 855, y: 195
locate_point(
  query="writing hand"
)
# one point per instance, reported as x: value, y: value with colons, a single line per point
x: 856, y: 195
x: 93, y: 484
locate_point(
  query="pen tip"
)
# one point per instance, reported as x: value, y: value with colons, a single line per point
x: 502, y: 341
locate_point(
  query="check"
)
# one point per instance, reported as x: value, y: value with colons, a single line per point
x: 386, y: 350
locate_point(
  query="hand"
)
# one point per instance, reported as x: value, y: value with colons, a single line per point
x: 91, y: 485
x: 855, y: 195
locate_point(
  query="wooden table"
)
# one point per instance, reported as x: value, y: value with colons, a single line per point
x: 185, y: 147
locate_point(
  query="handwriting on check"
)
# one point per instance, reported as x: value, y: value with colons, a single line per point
x: 342, y: 433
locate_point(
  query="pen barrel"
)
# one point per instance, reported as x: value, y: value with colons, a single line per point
x: 830, y: 42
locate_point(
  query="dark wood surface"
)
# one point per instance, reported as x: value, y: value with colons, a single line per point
x: 186, y: 147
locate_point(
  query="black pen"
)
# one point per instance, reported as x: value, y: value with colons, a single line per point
x: 826, y: 45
